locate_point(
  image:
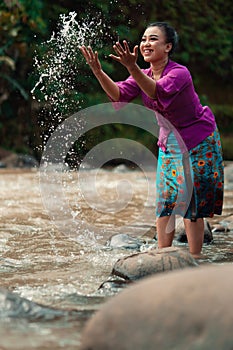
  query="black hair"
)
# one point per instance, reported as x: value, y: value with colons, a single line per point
x: 170, y: 33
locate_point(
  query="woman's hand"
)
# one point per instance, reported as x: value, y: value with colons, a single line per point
x: 91, y: 59
x: 125, y: 57
x: 109, y: 86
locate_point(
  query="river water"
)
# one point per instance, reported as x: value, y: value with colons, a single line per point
x: 42, y: 263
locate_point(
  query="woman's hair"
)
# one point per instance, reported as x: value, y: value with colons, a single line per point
x: 170, y: 33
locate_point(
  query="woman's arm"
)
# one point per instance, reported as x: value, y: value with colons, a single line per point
x: 147, y: 84
x: 108, y: 85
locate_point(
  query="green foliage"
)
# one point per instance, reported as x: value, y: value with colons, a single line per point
x: 224, y: 119
x: 206, y: 35
x: 227, y: 147
x: 19, y: 23
x: 206, y: 42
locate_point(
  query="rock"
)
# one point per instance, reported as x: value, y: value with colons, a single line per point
x: 181, y: 235
x: 10, y: 159
x: 219, y: 228
x: 228, y: 223
x: 124, y: 241
x: 188, y: 309
x: 230, y: 226
x: 121, y: 168
x: 14, y: 160
x: 139, y: 265
x: 113, y: 285
x: 151, y: 233
x: 14, y: 306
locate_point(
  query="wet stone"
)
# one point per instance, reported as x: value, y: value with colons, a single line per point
x: 14, y: 306
x: 228, y: 223
x: 124, y: 241
x: 113, y: 285
x: 150, y: 234
x: 188, y: 309
x: 153, y: 261
x: 220, y: 228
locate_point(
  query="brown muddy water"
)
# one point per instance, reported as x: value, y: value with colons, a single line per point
x: 61, y: 263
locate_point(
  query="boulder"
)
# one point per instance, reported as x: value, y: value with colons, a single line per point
x: 139, y: 265
x: 188, y: 309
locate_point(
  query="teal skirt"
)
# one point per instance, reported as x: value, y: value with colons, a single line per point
x: 190, y: 184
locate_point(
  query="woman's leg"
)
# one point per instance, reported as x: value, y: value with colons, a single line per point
x: 195, y: 235
x: 165, y: 230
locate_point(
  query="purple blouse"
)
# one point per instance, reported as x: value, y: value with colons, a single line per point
x: 177, y: 104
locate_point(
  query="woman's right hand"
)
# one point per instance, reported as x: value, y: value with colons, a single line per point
x: 108, y: 85
x: 91, y: 59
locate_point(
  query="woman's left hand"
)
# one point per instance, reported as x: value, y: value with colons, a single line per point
x: 125, y: 57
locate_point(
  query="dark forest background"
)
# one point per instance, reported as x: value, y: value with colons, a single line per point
x: 205, y: 32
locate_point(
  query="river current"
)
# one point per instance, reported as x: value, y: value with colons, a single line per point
x: 45, y: 265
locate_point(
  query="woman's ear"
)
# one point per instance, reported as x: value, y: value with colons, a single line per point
x: 168, y: 47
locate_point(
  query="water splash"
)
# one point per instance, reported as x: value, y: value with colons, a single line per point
x: 60, y: 66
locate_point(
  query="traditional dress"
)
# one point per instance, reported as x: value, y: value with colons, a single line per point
x: 190, y: 165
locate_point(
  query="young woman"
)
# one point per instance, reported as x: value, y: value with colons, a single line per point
x: 167, y: 88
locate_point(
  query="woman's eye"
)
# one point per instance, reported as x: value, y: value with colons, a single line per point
x: 150, y: 39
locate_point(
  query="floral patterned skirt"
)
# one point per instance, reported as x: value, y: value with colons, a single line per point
x: 190, y: 184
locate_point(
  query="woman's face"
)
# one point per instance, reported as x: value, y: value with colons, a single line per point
x: 153, y: 46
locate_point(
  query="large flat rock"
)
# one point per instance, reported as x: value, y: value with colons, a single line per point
x: 186, y: 309
x: 154, y: 261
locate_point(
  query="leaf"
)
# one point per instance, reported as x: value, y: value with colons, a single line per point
x: 16, y: 85
x: 8, y: 61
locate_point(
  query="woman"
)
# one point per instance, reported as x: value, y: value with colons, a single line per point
x: 167, y: 88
